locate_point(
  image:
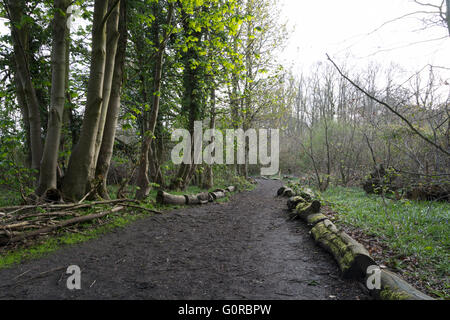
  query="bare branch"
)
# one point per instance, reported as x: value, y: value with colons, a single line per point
x: 414, y: 129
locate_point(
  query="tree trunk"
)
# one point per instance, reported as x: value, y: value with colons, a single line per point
x: 109, y: 134
x: 112, y: 31
x: 167, y: 198
x: 209, y: 174
x: 67, y: 114
x: 79, y: 171
x: 20, y: 42
x: 48, y: 176
x: 191, y: 104
x: 143, y: 180
x: 26, y: 121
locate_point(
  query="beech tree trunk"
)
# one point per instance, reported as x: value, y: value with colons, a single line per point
x: 109, y: 134
x: 19, y: 36
x: 48, y: 176
x: 79, y: 171
x: 25, y: 119
x: 112, y: 31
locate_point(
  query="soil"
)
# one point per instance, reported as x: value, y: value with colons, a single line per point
x: 242, y: 249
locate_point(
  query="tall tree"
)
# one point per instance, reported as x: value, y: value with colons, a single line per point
x: 80, y: 170
x: 161, y: 40
x: 106, y: 149
x: 26, y: 90
x: 48, y: 178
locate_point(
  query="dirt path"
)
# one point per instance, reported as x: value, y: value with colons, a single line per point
x: 243, y: 249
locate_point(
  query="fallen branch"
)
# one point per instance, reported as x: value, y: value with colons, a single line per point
x: 67, y: 206
x: 59, y: 226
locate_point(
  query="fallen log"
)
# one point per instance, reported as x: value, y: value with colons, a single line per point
x: 304, y: 192
x: 201, y: 198
x: 58, y: 226
x: 315, y: 218
x: 352, y: 258
x: 217, y: 195
x: 231, y: 189
x: 167, y: 198
x: 304, y: 209
x: 197, y: 199
x: 204, y: 197
x: 281, y: 190
x: 293, y: 202
x: 192, y: 199
x: 288, y: 192
x: 307, y: 194
x: 395, y: 288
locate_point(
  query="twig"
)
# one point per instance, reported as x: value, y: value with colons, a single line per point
x: 40, y: 275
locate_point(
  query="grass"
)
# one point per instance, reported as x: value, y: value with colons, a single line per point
x: 9, y: 198
x: 89, y: 230
x: 418, y: 229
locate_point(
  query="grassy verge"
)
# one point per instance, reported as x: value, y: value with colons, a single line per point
x: 415, y: 234
x: 90, y: 230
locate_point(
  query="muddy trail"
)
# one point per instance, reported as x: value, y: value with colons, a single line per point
x: 243, y: 249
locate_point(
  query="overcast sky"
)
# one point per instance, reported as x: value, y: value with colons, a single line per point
x: 343, y: 28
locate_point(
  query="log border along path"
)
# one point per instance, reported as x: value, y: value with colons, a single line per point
x: 242, y: 249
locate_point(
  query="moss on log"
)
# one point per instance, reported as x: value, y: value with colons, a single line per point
x: 353, y: 259
x: 395, y: 288
x: 315, y: 218
x: 288, y: 192
x: 303, y: 210
x: 305, y: 193
x: 293, y: 202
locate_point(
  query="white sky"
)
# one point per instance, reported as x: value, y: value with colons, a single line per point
x: 341, y: 28
x: 344, y: 30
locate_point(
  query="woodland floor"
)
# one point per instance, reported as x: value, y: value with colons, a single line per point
x: 242, y: 249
